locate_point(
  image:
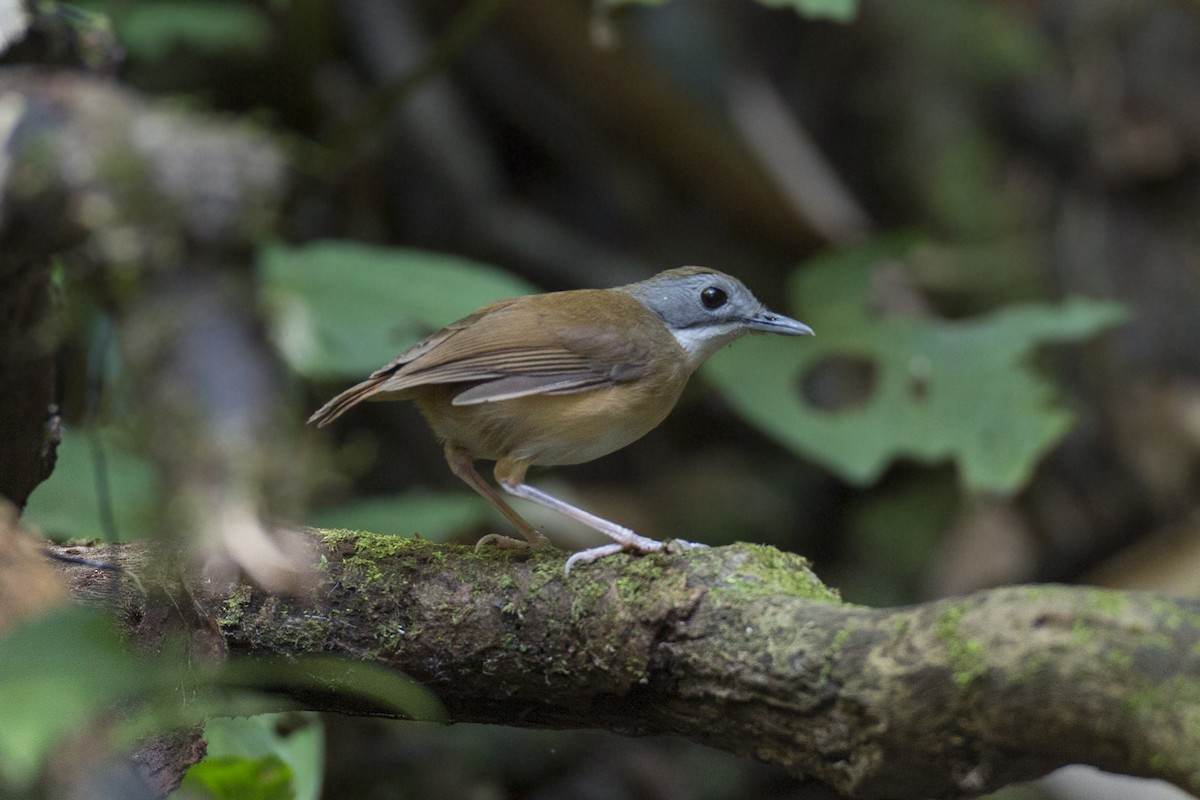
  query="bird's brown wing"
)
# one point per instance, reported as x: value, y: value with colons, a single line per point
x: 518, y: 348
x: 372, y: 386
x: 433, y: 340
x: 507, y: 361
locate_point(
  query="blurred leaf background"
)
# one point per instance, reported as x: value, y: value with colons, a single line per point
x: 985, y: 209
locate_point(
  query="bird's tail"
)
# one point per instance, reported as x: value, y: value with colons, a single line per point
x: 346, y: 400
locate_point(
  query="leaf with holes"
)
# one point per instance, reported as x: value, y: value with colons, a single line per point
x: 919, y: 388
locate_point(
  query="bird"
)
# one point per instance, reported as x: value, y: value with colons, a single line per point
x: 563, y: 378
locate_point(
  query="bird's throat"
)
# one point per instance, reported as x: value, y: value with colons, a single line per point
x: 701, y: 342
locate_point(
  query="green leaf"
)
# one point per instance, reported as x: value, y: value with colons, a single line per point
x: 267, y: 755
x: 432, y: 516
x: 376, y: 684
x: 836, y: 10
x: 68, y: 506
x: 60, y: 672
x: 151, y: 30
x: 235, y: 778
x: 56, y: 673
x: 935, y: 390
x: 341, y: 310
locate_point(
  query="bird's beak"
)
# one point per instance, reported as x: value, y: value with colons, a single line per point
x: 770, y: 322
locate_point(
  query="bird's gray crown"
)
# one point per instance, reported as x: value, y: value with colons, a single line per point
x: 693, y: 297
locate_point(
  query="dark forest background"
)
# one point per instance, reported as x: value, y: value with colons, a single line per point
x: 989, y: 212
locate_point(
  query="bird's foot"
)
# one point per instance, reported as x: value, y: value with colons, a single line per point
x: 638, y: 544
x: 500, y: 540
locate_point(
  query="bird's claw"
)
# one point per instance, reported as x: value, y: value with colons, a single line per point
x: 680, y: 545
x: 590, y: 555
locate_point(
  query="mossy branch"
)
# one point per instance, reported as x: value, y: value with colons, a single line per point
x: 743, y: 649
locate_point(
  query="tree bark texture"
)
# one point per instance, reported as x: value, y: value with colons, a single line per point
x: 28, y: 376
x: 743, y: 649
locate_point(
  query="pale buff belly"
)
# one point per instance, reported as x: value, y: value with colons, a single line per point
x: 549, y: 429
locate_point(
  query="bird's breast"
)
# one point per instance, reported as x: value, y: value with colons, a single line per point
x: 555, y: 429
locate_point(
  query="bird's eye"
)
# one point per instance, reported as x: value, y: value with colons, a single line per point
x: 712, y: 297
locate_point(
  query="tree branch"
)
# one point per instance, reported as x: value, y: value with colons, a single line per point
x: 743, y: 649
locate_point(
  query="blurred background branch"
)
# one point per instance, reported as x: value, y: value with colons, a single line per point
x: 156, y: 212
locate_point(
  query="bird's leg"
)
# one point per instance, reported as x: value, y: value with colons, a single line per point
x: 510, y: 475
x: 462, y: 464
